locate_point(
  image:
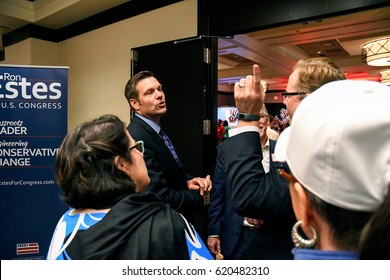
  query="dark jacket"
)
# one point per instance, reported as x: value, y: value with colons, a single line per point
x: 167, y: 179
x: 258, y: 195
x: 139, y: 227
x: 223, y: 220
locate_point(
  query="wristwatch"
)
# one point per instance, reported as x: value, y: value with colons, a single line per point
x: 247, y: 117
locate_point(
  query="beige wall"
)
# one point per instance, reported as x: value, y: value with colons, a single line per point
x: 19, y: 53
x: 32, y: 52
x: 99, y: 60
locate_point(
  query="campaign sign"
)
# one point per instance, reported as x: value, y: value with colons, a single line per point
x: 33, y: 123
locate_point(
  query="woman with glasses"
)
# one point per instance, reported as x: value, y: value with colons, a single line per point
x: 101, y: 170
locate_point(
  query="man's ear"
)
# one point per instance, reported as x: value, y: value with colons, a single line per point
x: 134, y: 104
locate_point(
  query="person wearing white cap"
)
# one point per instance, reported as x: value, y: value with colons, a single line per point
x: 339, y: 160
x: 338, y: 150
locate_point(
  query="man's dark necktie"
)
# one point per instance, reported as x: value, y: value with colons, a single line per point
x: 168, y: 143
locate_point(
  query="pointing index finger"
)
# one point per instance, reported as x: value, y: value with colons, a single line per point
x: 257, y: 78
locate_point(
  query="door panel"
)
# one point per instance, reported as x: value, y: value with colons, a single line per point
x: 190, y: 87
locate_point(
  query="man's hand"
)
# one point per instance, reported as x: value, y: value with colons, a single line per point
x: 257, y: 223
x: 214, y: 245
x: 202, y: 184
x: 249, y: 95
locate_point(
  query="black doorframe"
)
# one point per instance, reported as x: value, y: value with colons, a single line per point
x: 253, y: 15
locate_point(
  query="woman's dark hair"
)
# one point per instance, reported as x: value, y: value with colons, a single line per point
x: 85, y: 165
x: 375, y: 241
x: 346, y: 225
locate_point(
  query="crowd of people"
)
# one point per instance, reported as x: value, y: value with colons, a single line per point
x: 317, y: 190
x: 338, y: 175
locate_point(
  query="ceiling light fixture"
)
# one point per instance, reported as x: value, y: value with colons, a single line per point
x: 376, y: 52
x: 385, y: 75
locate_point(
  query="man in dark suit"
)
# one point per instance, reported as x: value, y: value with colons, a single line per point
x: 253, y: 192
x: 168, y: 177
x: 226, y: 234
x: 232, y: 234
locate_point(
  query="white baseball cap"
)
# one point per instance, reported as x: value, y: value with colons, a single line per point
x: 338, y: 144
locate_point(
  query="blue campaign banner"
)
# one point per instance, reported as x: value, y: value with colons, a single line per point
x: 33, y: 123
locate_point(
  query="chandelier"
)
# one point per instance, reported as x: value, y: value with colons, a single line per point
x: 376, y: 52
x: 385, y: 75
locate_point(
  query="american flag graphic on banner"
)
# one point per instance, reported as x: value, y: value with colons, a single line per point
x: 27, y: 248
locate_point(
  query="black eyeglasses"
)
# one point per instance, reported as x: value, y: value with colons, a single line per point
x: 286, y: 94
x: 139, y: 145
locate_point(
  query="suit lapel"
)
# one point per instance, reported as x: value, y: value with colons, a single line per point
x: 155, y: 136
x: 273, y: 163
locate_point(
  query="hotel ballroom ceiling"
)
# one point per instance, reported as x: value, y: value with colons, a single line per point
x: 276, y: 50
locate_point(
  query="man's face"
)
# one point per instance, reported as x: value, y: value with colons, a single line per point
x: 151, y: 103
x: 263, y: 124
x: 293, y: 101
